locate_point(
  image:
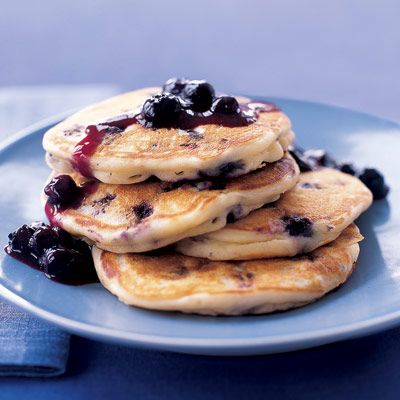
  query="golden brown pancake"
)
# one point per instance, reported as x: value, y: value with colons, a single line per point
x: 149, y: 215
x: 311, y: 214
x: 169, y: 154
x: 174, y: 282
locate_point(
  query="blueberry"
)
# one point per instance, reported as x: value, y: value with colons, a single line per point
x: 230, y: 168
x: 226, y: 105
x: 162, y: 111
x: 43, y: 238
x: 64, y: 239
x: 304, y: 164
x: 198, y: 95
x: 375, y: 182
x: 230, y: 218
x: 19, y: 241
x: 83, y: 248
x: 62, y: 264
x: 142, y: 210
x: 320, y: 157
x: 174, y: 86
x: 298, y: 226
x: 62, y: 190
x: 348, y: 168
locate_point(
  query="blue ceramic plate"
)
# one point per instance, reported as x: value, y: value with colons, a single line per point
x: 367, y: 303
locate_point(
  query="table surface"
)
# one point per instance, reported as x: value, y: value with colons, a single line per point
x: 342, y: 52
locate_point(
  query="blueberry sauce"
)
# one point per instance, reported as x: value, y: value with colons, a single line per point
x: 183, y: 104
x: 54, y: 252
x: 313, y: 159
x: 63, y: 193
x: 94, y: 136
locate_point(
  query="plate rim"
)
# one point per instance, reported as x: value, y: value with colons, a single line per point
x: 216, y: 346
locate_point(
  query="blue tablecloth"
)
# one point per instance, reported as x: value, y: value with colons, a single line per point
x: 342, y: 52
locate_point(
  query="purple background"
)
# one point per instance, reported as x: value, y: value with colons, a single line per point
x: 340, y: 52
x: 345, y: 52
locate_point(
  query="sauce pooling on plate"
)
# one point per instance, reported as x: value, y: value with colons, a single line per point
x: 53, y: 251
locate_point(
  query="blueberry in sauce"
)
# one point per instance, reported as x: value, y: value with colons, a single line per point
x: 54, y: 251
x: 19, y: 241
x: 43, y: 238
x: 174, y: 86
x: 161, y: 111
x: 183, y: 104
x: 225, y: 105
x: 198, y: 95
x: 62, y: 190
x: 298, y: 226
x: 375, y: 182
x: 64, y: 265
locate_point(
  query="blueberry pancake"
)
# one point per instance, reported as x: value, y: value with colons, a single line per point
x: 153, y: 214
x: 322, y: 204
x: 172, y: 282
x: 130, y: 137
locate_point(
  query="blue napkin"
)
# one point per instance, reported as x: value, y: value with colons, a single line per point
x: 30, y: 347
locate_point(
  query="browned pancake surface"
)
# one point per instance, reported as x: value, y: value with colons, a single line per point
x: 177, y: 282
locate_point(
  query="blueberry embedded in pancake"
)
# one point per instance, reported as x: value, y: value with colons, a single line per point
x: 314, y: 212
x: 152, y: 214
x: 133, y: 136
x: 174, y: 282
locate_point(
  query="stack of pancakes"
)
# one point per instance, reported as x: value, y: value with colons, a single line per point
x: 215, y: 220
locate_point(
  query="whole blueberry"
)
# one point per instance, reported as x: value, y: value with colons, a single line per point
x: 62, y: 264
x: 198, y: 95
x: 303, y: 162
x: 162, y: 111
x: 375, y: 182
x: 298, y: 226
x: 19, y: 240
x: 142, y: 210
x: 64, y: 239
x: 320, y: 157
x: 348, y: 168
x: 174, y: 85
x: 83, y: 248
x: 43, y: 238
x: 62, y: 190
x: 225, y: 105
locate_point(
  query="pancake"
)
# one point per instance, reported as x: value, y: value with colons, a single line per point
x: 149, y: 215
x: 174, y: 282
x: 313, y: 213
x: 169, y: 154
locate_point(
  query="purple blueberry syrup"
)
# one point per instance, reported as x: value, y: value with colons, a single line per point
x: 53, y: 251
x: 183, y: 104
x: 63, y: 193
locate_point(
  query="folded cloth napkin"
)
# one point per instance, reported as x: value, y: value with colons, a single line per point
x: 29, y: 347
